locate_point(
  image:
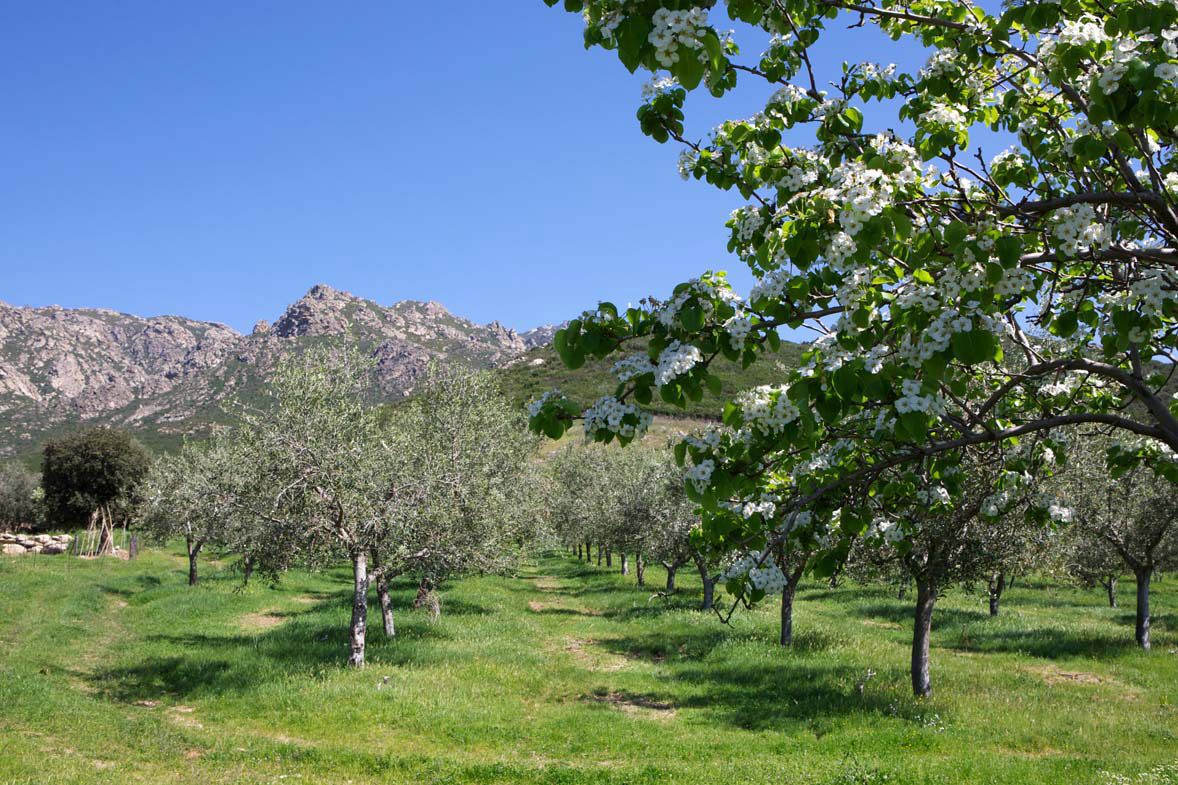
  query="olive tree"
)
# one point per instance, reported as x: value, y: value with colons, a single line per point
x: 19, y: 497
x: 316, y: 473
x: 919, y: 265
x: 1128, y: 517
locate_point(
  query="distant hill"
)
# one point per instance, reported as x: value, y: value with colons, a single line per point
x: 166, y: 377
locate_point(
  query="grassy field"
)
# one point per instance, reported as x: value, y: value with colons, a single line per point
x: 116, y: 672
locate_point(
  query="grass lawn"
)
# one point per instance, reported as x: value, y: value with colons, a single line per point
x: 117, y: 672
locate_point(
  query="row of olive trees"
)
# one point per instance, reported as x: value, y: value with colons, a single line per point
x: 437, y: 487
x: 626, y: 502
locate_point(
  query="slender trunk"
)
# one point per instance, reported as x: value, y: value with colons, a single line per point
x: 600, y: 552
x: 1010, y: 582
x: 671, y: 578
x: 1143, y: 575
x: 997, y: 585
x: 194, y: 547
x: 1112, y: 591
x: 640, y: 568
x: 588, y: 552
x: 386, y: 602
x: 926, y: 597
x: 359, y: 609
x: 708, y: 582
x: 609, y: 558
x: 787, y: 604
x: 247, y: 570
x: 625, y: 566
x: 578, y: 551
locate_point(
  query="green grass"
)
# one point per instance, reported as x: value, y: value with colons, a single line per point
x: 117, y: 672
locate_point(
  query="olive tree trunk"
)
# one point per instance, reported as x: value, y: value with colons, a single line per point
x: 600, y: 550
x: 996, y: 587
x: 640, y: 568
x: 386, y: 602
x: 1110, y: 586
x: 1143, y: 574
x: 194, y: 547
x: 625, y: 565
x: 359, y: 610
x: 609, y: 557
x: 926, y: 598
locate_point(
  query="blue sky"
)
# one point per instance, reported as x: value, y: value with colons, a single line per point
x: 216, y: 159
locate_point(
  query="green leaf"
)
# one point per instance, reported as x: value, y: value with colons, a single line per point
x: 632, y: 34
x: 974, y: 346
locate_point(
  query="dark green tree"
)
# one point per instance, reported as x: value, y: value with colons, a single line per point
x: 93, y: 477
x: 19, y: 507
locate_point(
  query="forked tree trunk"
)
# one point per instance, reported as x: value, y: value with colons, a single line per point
x: 640, y: 568
x: 926, y: 598
x: 194, y: 547
x: 625, y: 565
x: 359, y: 626
x: 996, y: 587
x: 386, y: 602
x: 787, y: 604
x: 1143, y: 575
x: 708, y: 582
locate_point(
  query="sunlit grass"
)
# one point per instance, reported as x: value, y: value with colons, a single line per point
x: 116, y: 672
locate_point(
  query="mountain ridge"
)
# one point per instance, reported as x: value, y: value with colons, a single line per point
x: 168, y: 375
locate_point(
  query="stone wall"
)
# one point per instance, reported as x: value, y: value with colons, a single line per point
x: 18, y: 544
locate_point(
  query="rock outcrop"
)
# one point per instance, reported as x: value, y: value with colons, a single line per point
x: 12, y: 544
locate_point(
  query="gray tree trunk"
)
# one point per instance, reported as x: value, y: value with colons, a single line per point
x: 247, y: 570
x: 625, y: 566
x: 996, y: 587
x: 194, y: 547
x: 359, y: 610
x: 708, y: 582
x: 926, y: 598
x: 1143, y: 575
x: 640, y: 568
x: 671, y: 579
x: 1112, y: 591
x: 386, y: 602
x: 787, y: 605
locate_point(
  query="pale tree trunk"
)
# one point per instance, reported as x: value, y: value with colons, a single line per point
x: 1111, y: 587
x: 926, y: 598
x: 194, y: 547
x: 359, y: 609
x: 996, y: 587
x: 787, y: 604
x: 640, y: 568
x: 625, y: 566
x: 1143, y: 574
x: 386, y: 602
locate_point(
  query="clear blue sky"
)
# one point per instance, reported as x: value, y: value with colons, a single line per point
x: 216, y: 159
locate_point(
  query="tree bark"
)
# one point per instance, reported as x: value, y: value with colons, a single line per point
x: 600, y: 550
x: 424, y: 587
x: 386, y: 602
x: 640, y: 568
x: 1112, y: 591
x: 578, y: 551
x: 996, y: 587
x: 625, y: 565
x: 787, y: 604
x: 609, y: 558
x: 194, y: 547
x: 588, y: 552
x: 708, y: 582
x: 1143, y: 575
x: 359, y: 609
x: 247, y: 570
x: 926, y: 598
x: 671, y: 578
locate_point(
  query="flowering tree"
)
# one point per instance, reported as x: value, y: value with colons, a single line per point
x: 922, y: 267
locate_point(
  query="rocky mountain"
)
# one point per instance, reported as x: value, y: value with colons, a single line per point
x: 167, y: 376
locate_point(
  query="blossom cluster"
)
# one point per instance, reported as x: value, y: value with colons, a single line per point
x: 608, y: 413
x: 536, y: 406
x: 767, y: 408
x: 676, y: 360
x: 673, y: 29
